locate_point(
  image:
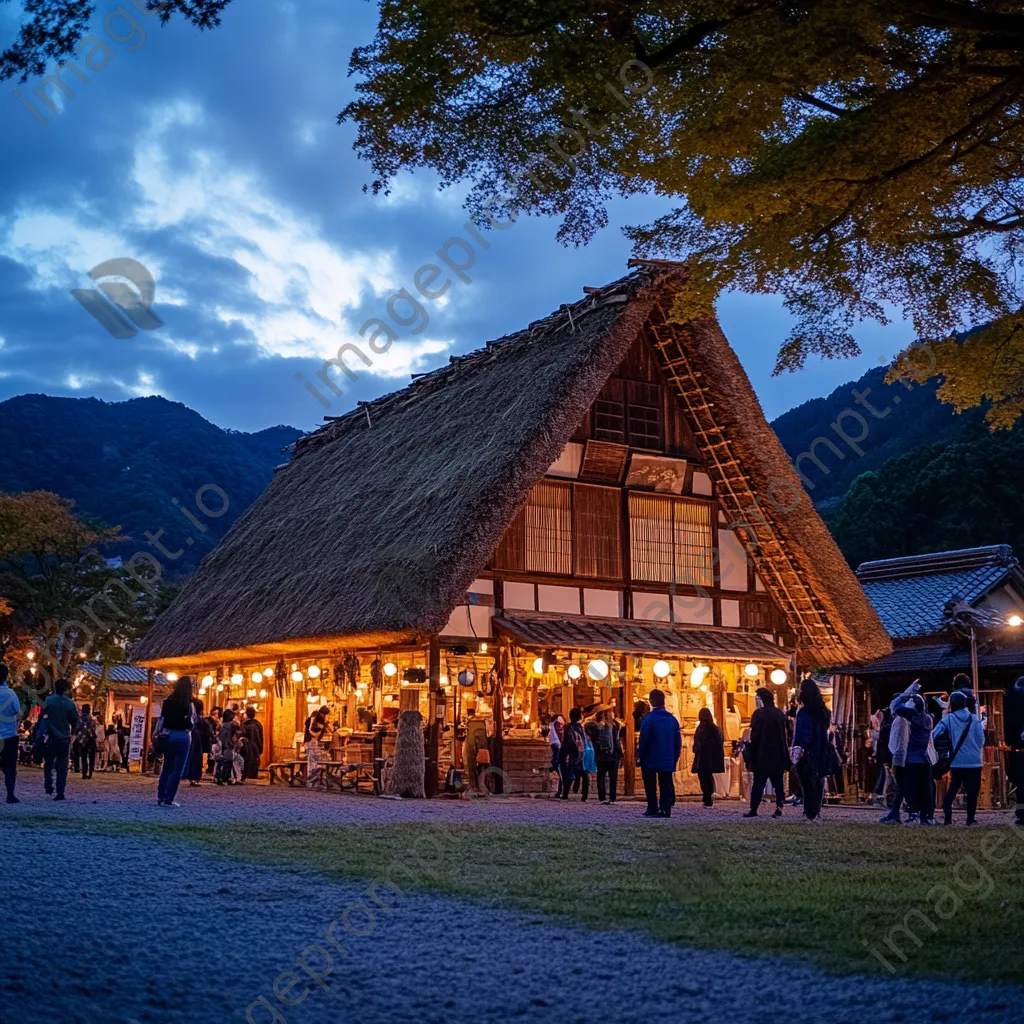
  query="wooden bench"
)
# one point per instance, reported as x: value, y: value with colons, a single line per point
x: 292, y: 772
x: 349, y: 777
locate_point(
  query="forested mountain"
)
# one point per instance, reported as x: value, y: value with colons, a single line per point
x: 126, y: 462
x: 928, y: 479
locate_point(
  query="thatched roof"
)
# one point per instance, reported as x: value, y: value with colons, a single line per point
x: 378, y: 525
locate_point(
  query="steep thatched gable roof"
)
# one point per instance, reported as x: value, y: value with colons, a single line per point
x: 376, y: 528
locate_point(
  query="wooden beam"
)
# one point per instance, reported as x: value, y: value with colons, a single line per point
x: 627, y: 664
x: 430, y: 786
x: 150, y: 673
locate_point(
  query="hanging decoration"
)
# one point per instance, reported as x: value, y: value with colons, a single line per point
x: 350, y: 664
x: 377, y: 673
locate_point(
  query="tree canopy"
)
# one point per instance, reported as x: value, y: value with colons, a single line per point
x: 52, y: 29
x: 853, y: 156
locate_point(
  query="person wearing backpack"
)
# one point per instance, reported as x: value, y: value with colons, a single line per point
x: 606, y: 737
x: 10, y: 713
x: 572, y: 756
x: 963, y: 736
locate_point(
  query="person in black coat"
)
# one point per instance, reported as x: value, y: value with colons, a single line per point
x: 708, y: 754
x: 202, y: 745
x: 769, y: 752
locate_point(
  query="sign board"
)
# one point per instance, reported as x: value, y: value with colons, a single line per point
x: 138, y: 731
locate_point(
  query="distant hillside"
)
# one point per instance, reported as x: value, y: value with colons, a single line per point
x: 928, y: 479
x: 915, y: 417
x: 125, y: 462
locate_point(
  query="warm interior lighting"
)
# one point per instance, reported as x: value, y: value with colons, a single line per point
x: 778, y: 676
x: 751, y: 670
x: 598, y: 669
x: 703, y: 687
x: 697, y: 675
x: 251, y: 692
x: 172, y: 677
x: 313, y: 671
x: 237, y: 679
x: 257, y: 677
x: 483, y: 647
x: 296, y: 676
x: 143, y: 699
x: 538, y: 666
x: 573, y: 671
x: 263, y: 694
x: 220, y: 687
x: 207, y: 681
x: 390, y: 668
x: 30, y: 655
x: 443, y: 680
x: 662, y: 669
x: 1015, y: 621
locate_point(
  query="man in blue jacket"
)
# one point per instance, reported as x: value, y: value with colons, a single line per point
x: 658, y: 754
x: 61, y: 719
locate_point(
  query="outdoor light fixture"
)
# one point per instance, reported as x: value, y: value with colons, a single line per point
x: 207, y: 681
x: 598, y: 669
x: 172, y: 677
x: 237, y: 678
x: 697, y: 675
x: 143, y: 699
x: 538, y: 666
x: 483, y: 647
x: 751, y: 670
x: 257, y: 677
x: 662, y: 668
x: 263, y: 694
x: 220, y: 687
x: 573, y: 671
x: 778, y: 676
x: 1015, y: 621
x: 313, y: 671
x: 296, y: 677
x: 390, y: 668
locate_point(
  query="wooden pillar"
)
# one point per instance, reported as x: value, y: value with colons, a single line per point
x: 150, y: 673
x: 433, y: 725
x: 268, y: 740
x: 628, y: 664
x: 498, y: 744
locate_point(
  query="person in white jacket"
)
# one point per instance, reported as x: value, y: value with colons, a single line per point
x: 965, y: 735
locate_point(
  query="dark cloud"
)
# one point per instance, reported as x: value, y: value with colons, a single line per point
x: 214, y: 159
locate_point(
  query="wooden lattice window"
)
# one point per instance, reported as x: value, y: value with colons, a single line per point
x: 565, y: 530
x: 670, y: 540
x: 597, y: 519
x: 629, y: 412
x: 610, y: 413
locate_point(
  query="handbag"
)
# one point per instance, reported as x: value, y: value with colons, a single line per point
x: 944, y: 763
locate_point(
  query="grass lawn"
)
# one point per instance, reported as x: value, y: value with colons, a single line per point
x: 793, y: 891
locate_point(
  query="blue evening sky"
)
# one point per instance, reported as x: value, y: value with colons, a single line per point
x: 214, y: 159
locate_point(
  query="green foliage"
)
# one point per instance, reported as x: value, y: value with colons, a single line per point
x: 936, y: 498
x: 52, y: 29
x: 853, y: 157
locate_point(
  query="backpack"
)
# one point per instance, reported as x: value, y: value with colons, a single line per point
x: 604, y: 742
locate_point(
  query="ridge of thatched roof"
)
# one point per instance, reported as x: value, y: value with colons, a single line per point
x: 377, y: 527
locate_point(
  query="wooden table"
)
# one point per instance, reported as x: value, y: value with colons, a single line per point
x: 292, y: 772
x: 348, y: 777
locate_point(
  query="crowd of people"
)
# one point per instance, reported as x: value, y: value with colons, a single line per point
x: 798, y: 750
x: 185, y: 745
x: 915, y: 748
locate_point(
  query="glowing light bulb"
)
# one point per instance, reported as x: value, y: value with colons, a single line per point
x: 598, y: 669
x: 172, y: 677
x: 751, y: 670
x: 263, y: 694
x: 573, y: 671
x: 257, y: 677
x: 538, y: 666
x: 662, y: 669
x: 697, y: 675
x: 313, y: 672
x: 237, y: 678
x: 390, y: 668
x: 296, y: 676
x: 1015, y: 621
x: 207, y: 681
x: 778, y: 676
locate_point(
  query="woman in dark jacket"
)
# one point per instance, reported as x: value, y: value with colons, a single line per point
x: 176, y: 722
x: 202, y: 745
x: 769, y: 752
x: 708, y: 755
x: 815, y: 762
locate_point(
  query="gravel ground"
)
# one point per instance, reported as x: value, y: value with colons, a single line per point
x: 164, y: 939
x: 105, y: 796
x: 178, y: 934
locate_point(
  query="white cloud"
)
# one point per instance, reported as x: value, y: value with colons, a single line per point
x: 143, y: 386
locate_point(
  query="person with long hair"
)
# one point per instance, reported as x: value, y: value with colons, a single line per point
x: 201, y: 744
x: 175, y: 729
x: 812, y: 749
x: 708, y: 754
